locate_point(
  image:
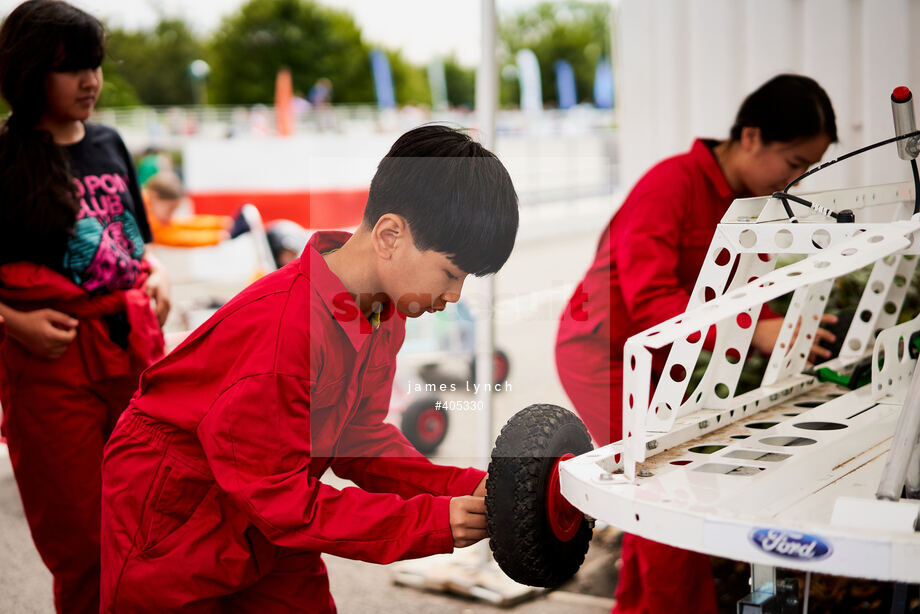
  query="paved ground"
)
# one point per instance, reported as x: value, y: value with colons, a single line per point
x: 552, y: 253
x: 25, y: 584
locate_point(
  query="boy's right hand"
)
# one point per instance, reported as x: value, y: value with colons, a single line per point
x: 44, y: 332
x: 467, y: 520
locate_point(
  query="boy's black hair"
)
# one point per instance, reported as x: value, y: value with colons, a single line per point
x: 456, y: 196
x: 787, y: 108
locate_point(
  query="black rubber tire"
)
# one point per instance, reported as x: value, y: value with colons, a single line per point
x: 520, y: 536
x: 409, y: 425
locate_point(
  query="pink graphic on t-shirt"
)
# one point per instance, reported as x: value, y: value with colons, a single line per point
x: 112, y: 266
x: 100, y: 195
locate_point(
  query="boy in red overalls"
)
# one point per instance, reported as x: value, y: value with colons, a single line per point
x: 212, y: 497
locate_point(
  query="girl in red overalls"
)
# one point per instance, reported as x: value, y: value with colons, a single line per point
x: 75, y: 289
x: 647, y: 262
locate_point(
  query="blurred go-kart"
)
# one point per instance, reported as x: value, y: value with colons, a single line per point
x: 441, y: 347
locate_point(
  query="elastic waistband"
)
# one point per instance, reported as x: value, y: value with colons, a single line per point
x: 172, y: 441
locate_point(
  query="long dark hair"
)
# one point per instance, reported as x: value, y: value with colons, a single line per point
x: 787, y: 108
x: 37, y: 194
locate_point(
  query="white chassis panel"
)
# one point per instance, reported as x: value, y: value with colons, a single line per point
x: 783, y: 475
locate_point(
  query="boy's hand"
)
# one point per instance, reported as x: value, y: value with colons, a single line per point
x: 467, y: 520
x: 481, y: 488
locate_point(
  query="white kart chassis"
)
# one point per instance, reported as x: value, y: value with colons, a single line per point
x: 799, y: 493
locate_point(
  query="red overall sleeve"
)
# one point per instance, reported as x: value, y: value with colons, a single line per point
x: 256, y: 438
x: 377, y: 456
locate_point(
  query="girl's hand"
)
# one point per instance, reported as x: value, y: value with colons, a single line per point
x: 765, y: 334
x: 158, y: 288
x: 767, y: 331
x: 45, y: 332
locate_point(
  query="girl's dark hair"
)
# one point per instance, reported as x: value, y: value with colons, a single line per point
x: 787, y: 108
x: 456, y: 196
x: 36, y: 188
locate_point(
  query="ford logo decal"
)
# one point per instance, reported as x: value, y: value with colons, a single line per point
x: 791, y: 545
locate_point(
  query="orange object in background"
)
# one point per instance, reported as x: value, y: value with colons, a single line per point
x: 191, y: 231
x: 284, y: 108
x: 314, y: 209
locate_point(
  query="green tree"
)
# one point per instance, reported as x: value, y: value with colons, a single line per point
x: 116, y: 91
x: 152, y: 65
x: 410, y: 82
x: 313, y: 41
x: 461, y: 83
x: 573, y: 30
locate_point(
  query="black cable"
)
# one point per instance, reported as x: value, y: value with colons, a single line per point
x: 784, y: 196
x: 913, y: 168
x: 894, y: 139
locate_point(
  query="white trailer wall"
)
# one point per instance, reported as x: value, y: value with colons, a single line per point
x: 684, y: 66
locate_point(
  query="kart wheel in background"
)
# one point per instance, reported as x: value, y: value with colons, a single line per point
x: 501, y: 367
x: 424, y: 425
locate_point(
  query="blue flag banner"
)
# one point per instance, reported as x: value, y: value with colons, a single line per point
x: 383, y: 80
x: 565, y: 84
x: 529, y: 76
x: 438, y: 84
x: 603, y: 85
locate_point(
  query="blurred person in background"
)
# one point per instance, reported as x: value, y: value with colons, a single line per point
x: 75, y: 286
x: 320, y: 94
x: 287, y: 240
x: 152, y: 162
x: 164, y: 194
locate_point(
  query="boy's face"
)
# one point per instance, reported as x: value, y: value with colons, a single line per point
x: 417, y: 281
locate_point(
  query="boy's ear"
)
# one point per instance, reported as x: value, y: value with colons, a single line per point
x: 387, y: 234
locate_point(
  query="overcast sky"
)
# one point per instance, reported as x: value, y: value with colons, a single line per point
x: 421, y: 28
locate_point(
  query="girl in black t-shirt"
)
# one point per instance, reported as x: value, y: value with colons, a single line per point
x: 75, y: 288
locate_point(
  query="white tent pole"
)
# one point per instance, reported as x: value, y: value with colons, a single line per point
x: 486, y: 104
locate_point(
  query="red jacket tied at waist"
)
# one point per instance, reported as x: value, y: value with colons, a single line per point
x: 26, y: 286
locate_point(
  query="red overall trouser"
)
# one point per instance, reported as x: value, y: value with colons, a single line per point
x: 57, y: 416
x: 174, y: 542
x: 655, y: 578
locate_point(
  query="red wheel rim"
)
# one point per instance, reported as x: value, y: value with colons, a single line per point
x: 431, y: 424
x: 563, y: 518
x: 499, y: 367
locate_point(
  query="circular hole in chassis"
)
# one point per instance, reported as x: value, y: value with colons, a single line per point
x: 785, y: 441
x: 761, y: 425
x: 820, y: 426
x: 521, y: 495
